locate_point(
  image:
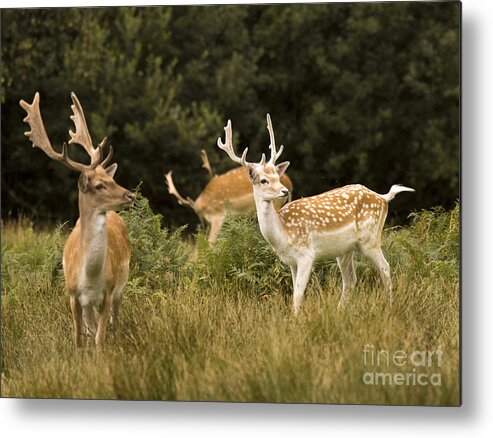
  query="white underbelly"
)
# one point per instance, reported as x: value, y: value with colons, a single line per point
x: 333, y: 244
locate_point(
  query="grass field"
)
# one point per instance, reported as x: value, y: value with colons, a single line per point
x: 202, y: 323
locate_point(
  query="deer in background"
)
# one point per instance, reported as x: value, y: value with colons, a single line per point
x: 96, y: 256
x: 331, y: 225
x: 230, y: 190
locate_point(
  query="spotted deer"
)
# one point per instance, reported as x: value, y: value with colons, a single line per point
x: 230, y: 190
x: 330, y: 225
x: 96, y: 256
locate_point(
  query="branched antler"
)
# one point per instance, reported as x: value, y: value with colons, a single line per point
x: 81, y: 135
x: 205, y: 162
x: 172, y: 191
x: 40, y: 139
x: 227, y: 146
x: 101, y: 146
x: 274, y: 155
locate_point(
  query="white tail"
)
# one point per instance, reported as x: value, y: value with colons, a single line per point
x: 331, y: 225
x: 394, y: 190
x: 96, y: 256
x: 231, y: 189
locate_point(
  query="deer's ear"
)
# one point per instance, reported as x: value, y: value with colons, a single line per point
x: 281, y: 168
x: 111, y: 170
x: 83, y: 182
x: 252, y: 174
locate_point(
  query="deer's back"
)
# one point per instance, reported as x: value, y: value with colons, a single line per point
x: 232, y: 187
x: 354, y: 209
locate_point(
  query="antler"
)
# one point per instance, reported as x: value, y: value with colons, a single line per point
x: 81, y: 135
x: 274, y: 155
x: 40, y: 139
x: 110, y: 153
x: 172, y: 191
x: 228, y: 146
x: 205, y: 162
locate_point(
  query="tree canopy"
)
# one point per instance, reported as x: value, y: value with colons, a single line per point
x: 358, y: 93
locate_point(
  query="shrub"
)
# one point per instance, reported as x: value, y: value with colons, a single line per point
x: 430, y: 244
x: 31, y: 257
x: 241, y: 256
x: 158, y: 255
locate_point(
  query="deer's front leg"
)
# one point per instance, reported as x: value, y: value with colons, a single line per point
x: 303, y: 270
x: 103, y: 319
x: 294, y: 272
x: 77, y: 319
x: 90, y: 319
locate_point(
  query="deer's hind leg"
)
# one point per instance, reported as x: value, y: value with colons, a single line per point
x: 375, y: 254
x: 346, y: 266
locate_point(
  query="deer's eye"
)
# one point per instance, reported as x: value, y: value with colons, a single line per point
x: 100, y: 187
x: 263, y: 181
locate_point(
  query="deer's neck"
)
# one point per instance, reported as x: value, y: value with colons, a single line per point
x: 270, y: 224
x: 94, y: 239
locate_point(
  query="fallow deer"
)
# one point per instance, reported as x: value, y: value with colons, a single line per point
x: 330, y: 225
x: 230, y: 190
x: 96, y: 256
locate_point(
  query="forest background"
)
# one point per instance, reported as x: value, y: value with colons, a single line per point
x: 359, y: 93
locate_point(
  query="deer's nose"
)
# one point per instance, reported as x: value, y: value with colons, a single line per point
x: 285, y: 192
x: 129, y: 195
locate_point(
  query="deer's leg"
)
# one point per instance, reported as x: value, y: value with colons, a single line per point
x: 77, y: 319
x: 303, y: 270
x: 216, y: 224
x: 346, y: 266
x: 377, y: 258
x: 90, y: 319
x: 103, y: 318
x: 115, y: 305
x: 294, y: 270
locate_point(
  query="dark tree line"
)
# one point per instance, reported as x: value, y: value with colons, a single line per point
x: 365, y: 93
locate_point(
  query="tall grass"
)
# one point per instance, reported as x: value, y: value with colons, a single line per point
x: 215, y: 323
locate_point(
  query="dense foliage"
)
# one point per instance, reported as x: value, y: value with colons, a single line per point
x: 364, y: 93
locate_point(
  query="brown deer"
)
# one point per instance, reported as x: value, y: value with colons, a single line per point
x: 331, y: 225
x: 230, y: 190
x: 96, y: 256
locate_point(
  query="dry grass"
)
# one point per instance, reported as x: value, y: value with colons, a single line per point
x: 219, y: 326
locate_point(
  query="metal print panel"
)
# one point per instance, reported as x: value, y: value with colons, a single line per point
x: 232, y: 203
